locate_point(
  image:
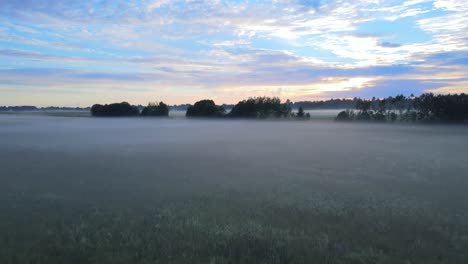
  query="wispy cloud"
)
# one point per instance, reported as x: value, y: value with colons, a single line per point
x: 184, y: 49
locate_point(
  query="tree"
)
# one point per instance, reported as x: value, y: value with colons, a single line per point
x: 363, y: 105
x: 399, y: 102
x: 261, y: 107
x: 300, y: 112
x: 154, y: 109
x: 345, y: 116
x: 114, y: 110
x: 382, y: 106
x: 97, y: 110
x: 328, y: 104
x: 426, y: 107
x: 205, y: 108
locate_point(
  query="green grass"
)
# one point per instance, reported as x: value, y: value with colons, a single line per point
x: 225, y: 229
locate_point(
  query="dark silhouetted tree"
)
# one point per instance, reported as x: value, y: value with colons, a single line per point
x: 300, y: 112
x: 399, y: 103
x: 363, y: 105
x: 328, y: 104
x: 205, y: 108
x: 261, y: 107
x: 347, y: 115
x: 114, y: 110
x: 382, y: 106
x: 155, y: 109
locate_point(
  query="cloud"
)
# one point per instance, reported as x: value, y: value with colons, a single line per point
x: 459, y: 87
x: 448, y: 30
x: 383, y: 88
x: 32, y: 55
x: 227, y: 49
x: 449, y: 58
x: 389, y: 44
x: 451, y: 5
x: 415, y: 2
x: 156, y: 4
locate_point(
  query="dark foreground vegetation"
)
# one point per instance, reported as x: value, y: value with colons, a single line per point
x: 425, y: 108
x: 239, y: 192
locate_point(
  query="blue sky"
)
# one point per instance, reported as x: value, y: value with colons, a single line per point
x: 84, y: 52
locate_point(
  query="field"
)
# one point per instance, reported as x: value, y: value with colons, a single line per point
x: 149, y: 190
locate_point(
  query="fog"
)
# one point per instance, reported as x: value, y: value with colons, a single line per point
x: 230, y: 153
x: 416, y: 174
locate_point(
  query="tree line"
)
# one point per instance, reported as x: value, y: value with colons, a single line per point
x: 424, y: 108
x: 306, y: 105
x: 125, y: 109
x: 255, y: 107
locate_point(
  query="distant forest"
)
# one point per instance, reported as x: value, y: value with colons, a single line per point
x: 34, y: 108
x: 423, y: 108
x: 257, y: 107
x: 306, y: 105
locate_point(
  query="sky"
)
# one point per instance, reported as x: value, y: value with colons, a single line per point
x: 77, y: 53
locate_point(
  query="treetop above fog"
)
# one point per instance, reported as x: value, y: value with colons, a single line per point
x: 427, y: 107
x: 115, y: 109
x: 261, y: 107
x: 155, y: 109
x: 205, y: 108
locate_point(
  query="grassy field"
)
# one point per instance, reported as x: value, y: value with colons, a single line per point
x: 118, y: 190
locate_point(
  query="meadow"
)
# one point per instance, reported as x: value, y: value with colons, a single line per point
x: 174, y: 190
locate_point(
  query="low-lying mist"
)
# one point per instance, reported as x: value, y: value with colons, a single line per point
x: 211, y: 188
